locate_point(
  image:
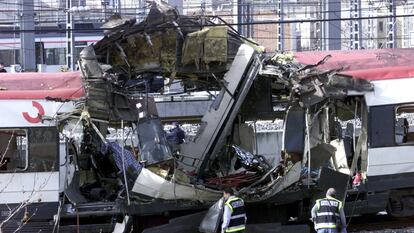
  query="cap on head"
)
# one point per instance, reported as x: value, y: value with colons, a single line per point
x: 331, y: 192
x: 175, y: 124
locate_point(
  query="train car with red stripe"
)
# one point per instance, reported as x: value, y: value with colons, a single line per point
x: 376, y: 116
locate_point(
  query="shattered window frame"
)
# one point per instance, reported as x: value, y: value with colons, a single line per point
x: 402, y: 125
x: 18, y: 149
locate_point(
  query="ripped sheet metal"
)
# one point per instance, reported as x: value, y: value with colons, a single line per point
x: 372, y: 64
x: 270, y: 192
x: 150, y: 184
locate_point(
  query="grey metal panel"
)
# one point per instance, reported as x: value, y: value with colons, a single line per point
x: 44, y: 211
x: 294, y: 138
x: 381, y: 134
x: 333, y: 179
x: 211, y: 220
x: 373, y: 203
x: 195, y: 151
x: 387, y: 182
x: 182, y: 109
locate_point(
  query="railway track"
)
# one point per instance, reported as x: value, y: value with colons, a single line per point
x: 381, y: 223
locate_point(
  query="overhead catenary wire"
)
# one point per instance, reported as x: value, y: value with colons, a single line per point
x: 104, y: 11
x: 197, y: 6
x: 140, y: 15
x: 157, y: 27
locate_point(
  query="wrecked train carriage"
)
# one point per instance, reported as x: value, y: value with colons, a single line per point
x: 349, y: 124
x: 133, y: 57
x: 58, y: 163
x: 52, y: 172
x: 215, y: 57
x: 319, y: 91
x: 32, y: 174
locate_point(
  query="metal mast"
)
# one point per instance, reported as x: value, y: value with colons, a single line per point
x: 27, y: 36
x: 70, y: 40
x: 391, y: 26
x: 280, y: 29
x: 355, y: 29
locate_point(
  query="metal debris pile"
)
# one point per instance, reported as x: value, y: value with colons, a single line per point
x: 136, y: 60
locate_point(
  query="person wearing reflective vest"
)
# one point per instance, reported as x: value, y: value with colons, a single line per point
x: 234, y: 215
x: 328, y: 214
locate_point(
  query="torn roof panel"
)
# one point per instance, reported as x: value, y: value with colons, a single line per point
x: 168, y: 44
x: 378, y: 64
x: 65, y: 85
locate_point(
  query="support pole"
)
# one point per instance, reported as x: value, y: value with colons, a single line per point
x: 123, y: 163
x: 235, y: 4
x: 70, y: 39
x: 240, y: 16
x: 392, y: 24
x: 308, y: 149
x: 280, y: 29
x: 27, y: 36
x: 370, y: 42
x: 355, y: 29
x: 118, y: 6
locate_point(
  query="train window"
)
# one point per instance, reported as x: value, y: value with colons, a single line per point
x: 43, y: 149
x: 13, y: 150
x: 55, y: 56
x: 404, y: 124
x: 9, y: 56
x: 31, y: 149
x: 380, y: 134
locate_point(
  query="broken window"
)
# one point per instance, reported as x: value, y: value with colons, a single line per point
x: 153, y: 144
x: 31, y: 149
x: 404, y: 130
x: 13, y: 146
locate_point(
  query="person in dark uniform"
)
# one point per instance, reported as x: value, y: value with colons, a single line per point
x: 328, y: 214
x: 234, y: 215
x: 176, y: 135
x: 2, y: 70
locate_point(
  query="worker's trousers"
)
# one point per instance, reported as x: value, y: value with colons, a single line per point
x: 327, y: 230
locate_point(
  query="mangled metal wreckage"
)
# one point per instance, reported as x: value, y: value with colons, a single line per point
x: 318, y: 95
